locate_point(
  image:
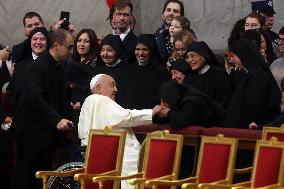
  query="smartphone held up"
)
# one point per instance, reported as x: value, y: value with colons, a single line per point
x: 65, y: 16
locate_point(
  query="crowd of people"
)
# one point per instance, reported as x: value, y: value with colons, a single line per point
x: 58, y: 79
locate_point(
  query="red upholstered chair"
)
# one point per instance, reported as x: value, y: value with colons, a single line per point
x: 161, y: 159
x: 215, y: 163
x: 277, y: 132
x: 104, y: 156
x: 267, y: 170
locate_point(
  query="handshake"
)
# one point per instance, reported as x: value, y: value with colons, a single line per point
x: 161, y: 110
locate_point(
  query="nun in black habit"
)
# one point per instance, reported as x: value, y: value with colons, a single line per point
x: 207, y: 74
x: 179, y: 70
x: 143, y: 78
x: 184, y: 106
x: 18, y: 80
x: 112, y: 57
x: 113, y: 61
x: 257, y: 97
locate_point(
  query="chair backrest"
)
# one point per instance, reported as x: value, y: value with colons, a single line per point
x: 277, y: 132
x: 162, y: 155
x: 268, y: 163
x: 104, y: 153
x: 216, y: 159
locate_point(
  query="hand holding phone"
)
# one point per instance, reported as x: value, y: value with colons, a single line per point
x: 71, y: 126
x: 63, y: 124
x: 65, y: 17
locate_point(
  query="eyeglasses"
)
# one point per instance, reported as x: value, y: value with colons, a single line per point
x: 122, y: 14
x: 179, y: 50
x: 70, y: 47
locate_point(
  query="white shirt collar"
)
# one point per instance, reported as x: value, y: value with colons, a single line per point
x: 114, y: 64
x: 34, y: 56
x: 144, y: 64
x: 114, y: 33
x: 124, y: 34
x: 204, y: 70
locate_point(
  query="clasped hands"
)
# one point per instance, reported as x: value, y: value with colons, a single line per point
x: 161, y: 110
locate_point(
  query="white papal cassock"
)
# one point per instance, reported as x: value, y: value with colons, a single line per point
x: 99, y: 111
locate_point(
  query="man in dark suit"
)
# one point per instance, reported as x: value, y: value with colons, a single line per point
x: 4, y: 77
x: 171, y: 9
x: 4, y: 159
x: 265, y: 8
x: 4, y: 71
x: 4, y: 162
x: 40, y: 118
x: 123, y: 18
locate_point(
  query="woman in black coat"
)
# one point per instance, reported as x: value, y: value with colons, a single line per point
x: 80, y: 69
x: 256, y: 97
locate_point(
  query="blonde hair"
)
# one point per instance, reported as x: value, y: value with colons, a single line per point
x: 186, y: 37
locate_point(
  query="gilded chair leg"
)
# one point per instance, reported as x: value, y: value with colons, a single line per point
x: 141, y: 186
x: 44, y: 183
x: 137, y: 186
x: 101, y: 186
x: 82, y: 183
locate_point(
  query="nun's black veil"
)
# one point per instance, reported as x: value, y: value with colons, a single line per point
x: 252, y: 60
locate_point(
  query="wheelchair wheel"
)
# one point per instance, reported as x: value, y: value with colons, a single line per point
x: 55, y: 182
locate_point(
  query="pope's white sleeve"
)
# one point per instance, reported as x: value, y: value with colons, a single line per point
x: 136, y: 118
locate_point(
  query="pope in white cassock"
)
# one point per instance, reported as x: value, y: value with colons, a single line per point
x: 100, y: 110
